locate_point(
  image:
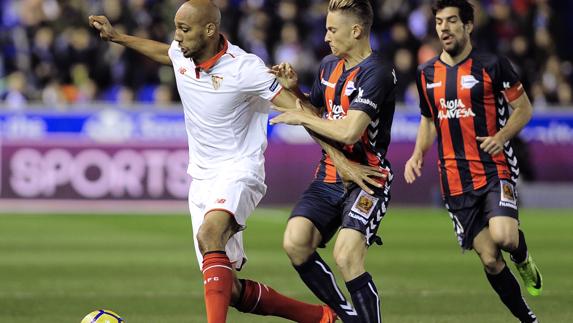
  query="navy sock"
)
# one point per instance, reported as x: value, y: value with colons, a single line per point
x: 507, y: 287
x: 316, y: 274
x: 365, y: 298
x: 520, y: 253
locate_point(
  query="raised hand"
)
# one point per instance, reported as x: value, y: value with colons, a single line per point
x: 286, y: 75
x: 102, y: 24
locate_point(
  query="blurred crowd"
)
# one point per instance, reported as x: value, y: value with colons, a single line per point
x: 50, y: 56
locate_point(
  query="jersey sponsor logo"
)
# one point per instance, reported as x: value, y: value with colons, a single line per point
x: 364, y: 205
x: 182, y: 70
x: 394, y: 76
x: 508, y: 196
x: 349, y: 88
x: 454, y: 109
x: 468, y: 81
x: 216, y: 81
x: 325, y: 82
x: 360, y: 99
x: 220, y: 201
x: 506, y: 85
x: 434, y: 85
x: 274, y: 86
x: 337, y: 111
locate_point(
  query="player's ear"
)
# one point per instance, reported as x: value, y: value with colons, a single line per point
x: 357, y: 31
x: 211, y: 29
x: 469, y: 27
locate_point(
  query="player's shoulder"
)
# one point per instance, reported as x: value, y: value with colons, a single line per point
x: 375, y: 63
x: 242, y: 59
x: 428, y: 64
x: 174, y: 50
x: 329, y: 62
x: 485, y: 59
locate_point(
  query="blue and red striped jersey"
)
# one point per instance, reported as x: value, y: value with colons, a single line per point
x: 464, y: 101
x: 368, y: 87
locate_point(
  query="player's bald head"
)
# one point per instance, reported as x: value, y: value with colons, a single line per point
x: 200, y: 11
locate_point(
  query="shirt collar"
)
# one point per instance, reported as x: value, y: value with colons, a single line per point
x: 206, y: 65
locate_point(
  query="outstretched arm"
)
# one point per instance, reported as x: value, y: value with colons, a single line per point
x: 155, y: 50
x: 347, y: 130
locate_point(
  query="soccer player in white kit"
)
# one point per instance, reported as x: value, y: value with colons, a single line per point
x: 225, y: 94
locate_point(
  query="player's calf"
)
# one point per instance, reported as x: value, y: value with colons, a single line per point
x: 260, y: 299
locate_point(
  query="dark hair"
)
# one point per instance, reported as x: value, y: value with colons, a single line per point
x: 361, y: 9
x: 465, y: 8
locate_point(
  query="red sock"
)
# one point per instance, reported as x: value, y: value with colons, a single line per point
x: 263, y: 300
x: 218, y: 283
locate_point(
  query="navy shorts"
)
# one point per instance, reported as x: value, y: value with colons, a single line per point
x: 329, y: 207
x: 471, y: 211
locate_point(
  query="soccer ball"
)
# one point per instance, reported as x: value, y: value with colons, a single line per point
x: 102, y: 316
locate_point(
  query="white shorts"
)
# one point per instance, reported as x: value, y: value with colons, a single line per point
x: 236, y: 192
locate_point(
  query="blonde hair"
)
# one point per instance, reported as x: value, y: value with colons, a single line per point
x: 360, y: 9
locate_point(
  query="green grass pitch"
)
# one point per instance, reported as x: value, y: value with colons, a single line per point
x: 57, y: 268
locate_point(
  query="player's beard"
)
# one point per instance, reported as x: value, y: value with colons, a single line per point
x: 200, y: 45
x: 456, y: 47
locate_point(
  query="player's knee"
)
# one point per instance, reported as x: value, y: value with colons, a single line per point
x: 346, y: 261
x: 209, y: 238
x: 297, y: 251
x: 506, y: 243
x: 491, y: 264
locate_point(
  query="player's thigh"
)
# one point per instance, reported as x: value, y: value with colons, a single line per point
x: 467, y: 214
x: 321, y: 205
x: 502, y: 212
x: 504, y: 231
x: 237, y: 193
x: 364, y: 212
x: 300, y: 232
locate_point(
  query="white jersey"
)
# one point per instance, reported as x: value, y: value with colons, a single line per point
x: 226, y: 105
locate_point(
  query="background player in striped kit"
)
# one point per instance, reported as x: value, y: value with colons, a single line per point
x: 463, y: 100
x: 225, y: 94
x: 354, y: 90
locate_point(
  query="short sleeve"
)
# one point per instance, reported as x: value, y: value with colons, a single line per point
x: 420, y: 83
x: 255, y: 79
x: 374, y: 87
x: 507, y: 80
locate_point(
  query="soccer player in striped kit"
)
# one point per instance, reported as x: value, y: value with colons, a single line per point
x: 464, y: 98
x: 225, y: 93
x: 354, y: 91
